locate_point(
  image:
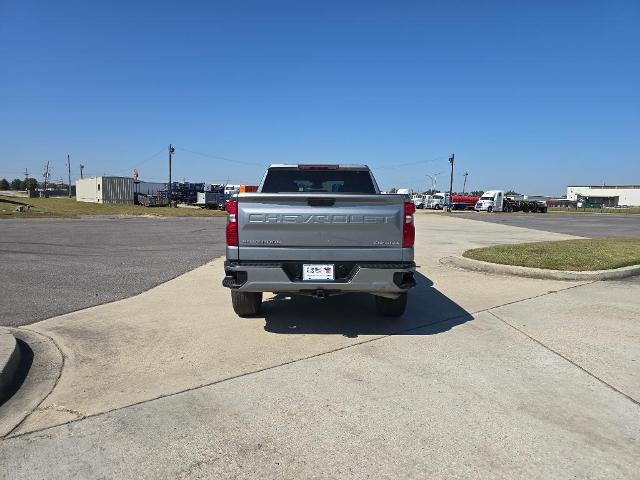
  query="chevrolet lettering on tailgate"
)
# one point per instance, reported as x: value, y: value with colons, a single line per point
x: 306, y: 218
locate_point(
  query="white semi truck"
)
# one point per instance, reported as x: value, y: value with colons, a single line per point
x: 438, y: 201
x: 498, y: 201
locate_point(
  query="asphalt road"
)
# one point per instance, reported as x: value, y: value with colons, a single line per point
x: 53, y: 266
x: 582, y: 225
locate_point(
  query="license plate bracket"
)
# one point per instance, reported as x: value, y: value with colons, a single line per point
x: 318, y: 271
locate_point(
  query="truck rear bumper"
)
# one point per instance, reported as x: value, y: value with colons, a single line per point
x: 382, y: 278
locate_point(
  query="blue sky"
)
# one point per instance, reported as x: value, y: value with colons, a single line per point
x: 528, y: 95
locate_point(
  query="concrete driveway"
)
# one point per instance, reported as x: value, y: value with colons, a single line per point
x: 485, y: 376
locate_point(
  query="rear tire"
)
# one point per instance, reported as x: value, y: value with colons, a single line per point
x: 389, y: 307
x: 246, y: 304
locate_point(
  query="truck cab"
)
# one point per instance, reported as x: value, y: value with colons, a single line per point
x: 490, y: 201
x: 418, y: 200
x: 439, y: 200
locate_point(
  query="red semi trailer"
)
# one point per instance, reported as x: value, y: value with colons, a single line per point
x: 463, y: 202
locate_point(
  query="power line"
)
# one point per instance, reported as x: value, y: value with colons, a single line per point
x: 138, y: 164
x: 218, y: 157
x: 417, y: 162
x: 151, y: 157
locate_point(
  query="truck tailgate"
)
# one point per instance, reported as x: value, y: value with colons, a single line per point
x: 320, y: 226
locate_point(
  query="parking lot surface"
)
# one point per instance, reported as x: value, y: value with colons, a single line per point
x: 582, y: 225
x: 485, y: 376
x: 54, y: 266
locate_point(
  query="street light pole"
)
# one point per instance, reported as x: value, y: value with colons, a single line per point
x: 464, y: 185
x: 451, y: 160
x: 434, y: 180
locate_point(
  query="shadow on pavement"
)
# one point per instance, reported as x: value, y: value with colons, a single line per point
x: 428, y: 312
x: 25, y: 358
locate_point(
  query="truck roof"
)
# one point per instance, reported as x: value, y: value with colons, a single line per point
x: 336, y: 166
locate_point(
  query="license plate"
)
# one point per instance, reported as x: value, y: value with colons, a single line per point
x: 317, y: 272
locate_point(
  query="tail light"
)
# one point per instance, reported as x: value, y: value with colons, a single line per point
x: 232, y: 223
x: 408, y: 228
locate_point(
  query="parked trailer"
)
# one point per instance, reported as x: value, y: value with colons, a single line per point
x: 441, y: 200
x: 157, y: 200
x: 213, y: 200
x: 498, y: 201
x: 464, y: 202
x: 148, y: 188
x: 185, y: 192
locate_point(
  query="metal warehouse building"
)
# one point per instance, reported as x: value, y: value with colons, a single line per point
x: 607, y: 195
x: 105, y: 190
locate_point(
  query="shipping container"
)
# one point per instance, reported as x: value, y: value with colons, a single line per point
x: 149, y: 188
x: 248, y: 188
x: 105, y: 190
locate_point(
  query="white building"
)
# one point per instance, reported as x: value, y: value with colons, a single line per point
x: 105, y: 190
x: 607, y: 195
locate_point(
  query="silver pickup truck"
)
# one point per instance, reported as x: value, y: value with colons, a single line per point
x: 319, y: 230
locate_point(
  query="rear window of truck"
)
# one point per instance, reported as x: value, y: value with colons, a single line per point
x: 280, y: 180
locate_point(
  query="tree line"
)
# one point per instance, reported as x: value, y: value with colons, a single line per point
x: 27, y: 184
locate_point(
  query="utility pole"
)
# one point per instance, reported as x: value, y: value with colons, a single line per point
x: 26, y: 174
x: 464, y: 185
x: 69, y: 168
x: 451, y: 160
x: 171, y: 152
x: 81, y: 167
x: 46, y: 179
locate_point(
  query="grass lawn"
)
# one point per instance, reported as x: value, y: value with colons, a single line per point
x: 70, y: 208
x: 580, y: 255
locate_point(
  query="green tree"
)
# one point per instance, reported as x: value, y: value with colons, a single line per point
x: 4, y: 184
x: 16, y: 184
x: 30, y: 184
x: 512, y: 193
x: 477, y: 193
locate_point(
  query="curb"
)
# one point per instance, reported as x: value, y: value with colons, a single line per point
x: 9, y: 362
x: 41, y: 378
x: 479, y: 266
